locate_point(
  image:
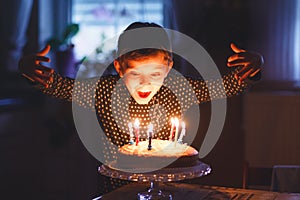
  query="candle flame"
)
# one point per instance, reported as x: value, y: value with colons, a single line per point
x: 136, y: 123
x: 182, y: 125
x: 172, y: 120
x: 176, y: 122
x: 150, y: 127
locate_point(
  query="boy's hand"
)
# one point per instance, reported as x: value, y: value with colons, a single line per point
x: 32, y: 69
x: 250, y: 62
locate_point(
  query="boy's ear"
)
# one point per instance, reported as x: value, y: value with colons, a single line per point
x: 118, y: 68
x: 170, y: 65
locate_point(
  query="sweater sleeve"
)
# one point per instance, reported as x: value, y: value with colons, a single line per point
x: 82, y: 92
x: 226, y: 86
x: 190, y: 91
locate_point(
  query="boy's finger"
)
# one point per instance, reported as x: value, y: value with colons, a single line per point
x: 45, y: 50
x: 41, y: 81
x: 39, y: 59
x: 28, y: 77
x: 44, y: 76
x: 236, y: 49
x: 42, y: 58
x: 43, y: 72
x: 255, y: 72
x: 242, y: 70
x: 236, y: 64
x: 245, y: 75
x: 235, y: 57
x: 45, y: 69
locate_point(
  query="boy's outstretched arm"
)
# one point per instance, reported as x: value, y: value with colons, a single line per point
x: 55, y: 85
x: 32, y: 68
x: 248, y: 66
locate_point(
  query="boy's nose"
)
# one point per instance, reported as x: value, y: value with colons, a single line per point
x: 144, y: 80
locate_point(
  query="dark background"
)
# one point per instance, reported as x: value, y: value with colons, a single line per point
x: 41, y: 155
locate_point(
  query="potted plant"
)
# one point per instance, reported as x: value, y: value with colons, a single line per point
x: 65, y: 42
x: 63, y: 51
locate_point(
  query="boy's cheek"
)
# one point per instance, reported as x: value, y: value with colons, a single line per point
x: 132, y: 85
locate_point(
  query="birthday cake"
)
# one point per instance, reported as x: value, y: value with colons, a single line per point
x: 162, y: 152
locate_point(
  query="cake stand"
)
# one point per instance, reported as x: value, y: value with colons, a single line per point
x: 155, y: 177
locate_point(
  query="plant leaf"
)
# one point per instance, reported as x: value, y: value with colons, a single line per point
x: 70, y: 31
x: 54, y: 43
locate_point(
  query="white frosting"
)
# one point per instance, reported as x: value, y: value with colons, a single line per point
x: 159, y: 148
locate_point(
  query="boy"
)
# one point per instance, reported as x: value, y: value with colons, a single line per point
x: 145, y: 88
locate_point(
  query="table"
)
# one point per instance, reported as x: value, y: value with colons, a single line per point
x: 286, y: 178
x: 182, y: 191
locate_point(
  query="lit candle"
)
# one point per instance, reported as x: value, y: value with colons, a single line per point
x: 172, y: 129
x: 182, y: 132
x: 176, y: 122
x: 136, y: 129
x: 131, y: 141
x: 150, y: 134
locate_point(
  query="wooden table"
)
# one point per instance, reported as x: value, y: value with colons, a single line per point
x: 182, y: 191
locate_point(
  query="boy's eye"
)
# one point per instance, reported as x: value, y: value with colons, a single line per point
x: 133, y: 73
x: 156, y: 74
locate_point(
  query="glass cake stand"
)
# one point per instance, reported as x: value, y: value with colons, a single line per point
x: 157, y: 176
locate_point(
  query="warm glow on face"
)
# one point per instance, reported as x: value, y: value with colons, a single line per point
x: 143, y: 78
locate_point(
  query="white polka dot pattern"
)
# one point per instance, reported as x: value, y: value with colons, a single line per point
x: 115, y: 107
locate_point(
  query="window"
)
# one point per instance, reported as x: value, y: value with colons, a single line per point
x: 297, y: 43
x: 282, y: 54
x: 101, y: 19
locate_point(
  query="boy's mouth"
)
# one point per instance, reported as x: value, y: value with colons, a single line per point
x: 143, y: 94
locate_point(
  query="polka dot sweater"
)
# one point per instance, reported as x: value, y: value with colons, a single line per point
x: 115, y: 108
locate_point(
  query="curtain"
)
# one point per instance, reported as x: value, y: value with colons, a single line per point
x: 283, y: 17
x: 54, y: 16
x: 14, y: 19
x: 297, y: 44
x: 270, y: 27
x: 213, y: 24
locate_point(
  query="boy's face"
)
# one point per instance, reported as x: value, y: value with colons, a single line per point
x: 144, y: 77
